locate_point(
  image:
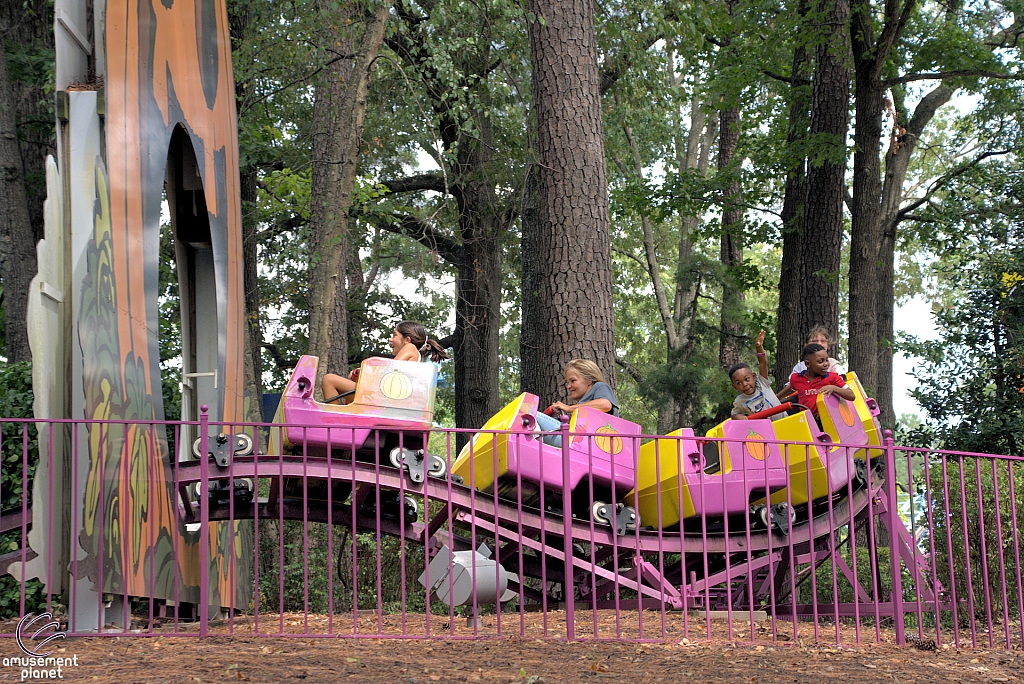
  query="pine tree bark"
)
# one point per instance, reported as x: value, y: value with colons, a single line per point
x: 532, y: 352
x: 339, y: 110
x: 731, y: 240
x: 574, y: 193
x: 865, y: 230
x: 787, y: 331
x: 478, y: 283
x: 822, y: 239
x: 29, y: 24
x: 17, y: 242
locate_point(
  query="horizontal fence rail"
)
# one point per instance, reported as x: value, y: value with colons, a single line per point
x: 200, y: 528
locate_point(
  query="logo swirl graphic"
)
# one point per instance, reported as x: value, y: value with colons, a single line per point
x: 28, y: 623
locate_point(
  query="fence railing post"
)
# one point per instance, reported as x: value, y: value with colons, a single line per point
x: 894, y: 539
x: 204, y: 521
x: 568, y: 586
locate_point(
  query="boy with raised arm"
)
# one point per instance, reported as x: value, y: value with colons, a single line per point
x: 756, y: 392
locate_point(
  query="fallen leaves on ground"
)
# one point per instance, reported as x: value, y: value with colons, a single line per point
x: 513, y: 660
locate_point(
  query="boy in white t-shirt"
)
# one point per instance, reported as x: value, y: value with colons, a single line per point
x: 756, y: 393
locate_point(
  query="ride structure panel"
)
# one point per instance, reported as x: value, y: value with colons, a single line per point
x: 147, y: 88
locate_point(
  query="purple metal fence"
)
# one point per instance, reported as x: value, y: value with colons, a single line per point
x: 913, y: 544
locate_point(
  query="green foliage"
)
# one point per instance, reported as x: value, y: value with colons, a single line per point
x: 970, y: 383
x: 970, y: 379
x: 980, y: 560
x: 16, y: 402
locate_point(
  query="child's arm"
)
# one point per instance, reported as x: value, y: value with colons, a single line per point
x: 762, y: 358
x: 845, y: 392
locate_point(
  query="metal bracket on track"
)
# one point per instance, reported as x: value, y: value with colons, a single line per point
x: 418, y: 463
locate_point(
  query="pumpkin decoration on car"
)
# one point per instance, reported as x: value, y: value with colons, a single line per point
x: 755, y: 449
x: 846, y: 413
x: 606, y: 442
x: 396, y: 386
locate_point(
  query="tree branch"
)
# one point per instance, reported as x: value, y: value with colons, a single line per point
x: 939, y: 75
x: 247, y: 103
x: 615, y: 67
x: 786, y: 79
x: 1008, y: 37
x: 279, y: 360
x: 424, y: 181
x: 420, y: 231
x: 291, y: 223
x: 630, y: 255
x: 943, y: 180
x: 893, y: 29
x: 650, y: 251
x: 631, y: 370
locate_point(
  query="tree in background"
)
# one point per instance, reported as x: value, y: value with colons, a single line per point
x: 241, y: 19
x: 787, y: 329
x: 971, y: 379
x: 577, y: 282
x: 903, y: 43
x: 17, y: 242
x: 351, y: 37
x: 464, y: 110
x: 26, y: 137
x: 821, y: 239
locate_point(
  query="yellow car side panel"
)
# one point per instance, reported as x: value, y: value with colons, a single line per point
x: 488, y: 452
x: 658, y: 476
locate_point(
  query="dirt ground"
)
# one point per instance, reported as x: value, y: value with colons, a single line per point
x: 220, y: 659
x: 773, y: 656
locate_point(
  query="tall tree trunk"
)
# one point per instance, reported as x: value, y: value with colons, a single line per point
x: 787, y: 331
x: 822, y: 241
x: 574, y: 193
x: 240, y: 22
x: 250, y: 276
x: 532, y: 357
x: 731, y: 241
x: 865, y: 233
x: 869, y: 55
x: 680, y: 339
x: 483, y: 221
x: 339, y: 110
x: 693, y: 156
x: 29, y: 24
x: 478, y: 286
x: 327, y: 241
x: 897, y: 162
x: 28, y: 136
x: 688, y: 276
x: 356, y: 287
x: 17, y: 242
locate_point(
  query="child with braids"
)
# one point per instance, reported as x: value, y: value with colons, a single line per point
x: 409, y: 342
